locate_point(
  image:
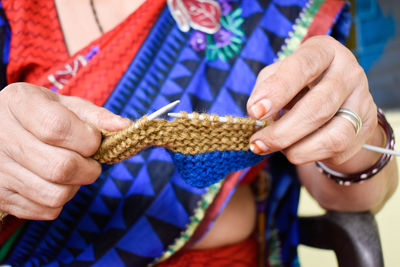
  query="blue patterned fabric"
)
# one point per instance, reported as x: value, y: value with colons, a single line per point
x: 138, y: 207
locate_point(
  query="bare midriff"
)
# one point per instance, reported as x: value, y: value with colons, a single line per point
x: 235, y: 223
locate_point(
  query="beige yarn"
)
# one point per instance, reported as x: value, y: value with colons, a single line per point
x: 183, y: 135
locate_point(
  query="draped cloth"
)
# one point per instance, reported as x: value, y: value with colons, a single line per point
x: 140, y: 211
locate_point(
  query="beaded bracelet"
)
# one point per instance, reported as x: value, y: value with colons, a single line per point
x: 359, y: 177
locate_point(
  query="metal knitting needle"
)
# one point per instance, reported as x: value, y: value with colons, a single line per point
x: 259, y: 123
x: 201, y: 117
x: 381, y: 150
x: 160, y: 111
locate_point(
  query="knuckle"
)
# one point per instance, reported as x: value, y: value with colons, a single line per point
x: 51, y: 214
x: 309, y: 63
x: 96, y: 172
x: 264, y: 73
x: 99, y: 115
x: 324, y: 103
x: 15, y: 92
x: 275, y: 140
x: 57, y: 197
x: 320, y: 38
x: 337, y: 141
x: 324, y: 43
x: 55, y: 128
x: 372, y: 121
x: 359, y: 75
x: 93, y: 145
x: 281, y: 84
x: 294, y: 157
x: 63, y: 169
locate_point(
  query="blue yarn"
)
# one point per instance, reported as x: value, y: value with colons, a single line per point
x: 202, y: 170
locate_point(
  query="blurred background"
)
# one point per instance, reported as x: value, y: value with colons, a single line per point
x: 375, y: 40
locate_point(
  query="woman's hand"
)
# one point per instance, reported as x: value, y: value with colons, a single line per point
x: 310, y: 86
x: 45, y: 143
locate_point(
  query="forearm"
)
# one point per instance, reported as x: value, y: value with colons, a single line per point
x: 370, y: 195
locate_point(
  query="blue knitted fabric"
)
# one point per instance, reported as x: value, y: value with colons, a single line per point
x: 202, y: 170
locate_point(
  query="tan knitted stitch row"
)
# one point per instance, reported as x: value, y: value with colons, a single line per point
x: 183, y: 135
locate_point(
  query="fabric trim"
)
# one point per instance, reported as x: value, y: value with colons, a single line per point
x: 300, y: 29
x: 325, y: 18
x: 5, y: 248
x: 194, y: 222
x: 8, y: 226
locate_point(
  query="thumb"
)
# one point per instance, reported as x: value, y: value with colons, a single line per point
x: 98, y: 117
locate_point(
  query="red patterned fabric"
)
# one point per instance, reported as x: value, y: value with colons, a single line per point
x: 242, y: 254
x: 37, y: 42
x: 324, y: 18
x: 38, y: 48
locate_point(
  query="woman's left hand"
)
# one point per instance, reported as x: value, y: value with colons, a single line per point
x: 310, y: 86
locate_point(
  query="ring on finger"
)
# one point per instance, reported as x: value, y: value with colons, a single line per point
x: 352, y: 117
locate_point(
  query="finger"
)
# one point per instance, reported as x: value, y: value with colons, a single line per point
x: 17, y: 205
x: 294, y: 73
x: 336, y: 141
x: 54, y: 164
x: 99, y: 117
x: 312, y: 111
x: 35, y: 189
x: 40, y: 113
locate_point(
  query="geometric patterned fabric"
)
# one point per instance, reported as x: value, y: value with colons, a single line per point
x: 137, y: 208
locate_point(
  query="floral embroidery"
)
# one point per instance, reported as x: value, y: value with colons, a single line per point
x: 61, y: 77
x: 202, y: 15
x: 227, y: 41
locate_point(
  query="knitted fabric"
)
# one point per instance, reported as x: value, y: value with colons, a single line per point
x: 204, y: 169
x: 183, y: 135
x: 204, y: 150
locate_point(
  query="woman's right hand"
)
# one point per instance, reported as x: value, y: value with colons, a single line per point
x: 46, y: 141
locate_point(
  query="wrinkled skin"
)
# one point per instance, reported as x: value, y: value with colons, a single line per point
x: 45, y: 144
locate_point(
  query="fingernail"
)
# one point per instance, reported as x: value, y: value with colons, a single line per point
x: 261, y: 108
x: 258, y: 147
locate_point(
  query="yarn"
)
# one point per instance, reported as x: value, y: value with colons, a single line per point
x: 204, y: 151
x: 204, y: 169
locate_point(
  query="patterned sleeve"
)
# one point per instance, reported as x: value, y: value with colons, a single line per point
x: 5, y: 36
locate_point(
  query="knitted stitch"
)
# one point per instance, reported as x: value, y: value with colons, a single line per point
x: 204, y: 169
x: 204, y: 150
x: 182, y: 135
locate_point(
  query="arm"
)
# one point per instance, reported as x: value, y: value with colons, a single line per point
x: 309, y: 131
x: 370, y: 195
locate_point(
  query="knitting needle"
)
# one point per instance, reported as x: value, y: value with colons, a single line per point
x: 259, y: 123
x: 160, y: 112
x: 381, y: 150
x: 201, y: 117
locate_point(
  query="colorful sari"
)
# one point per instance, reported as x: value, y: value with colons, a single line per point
x: 140, y: 211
